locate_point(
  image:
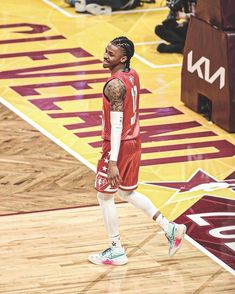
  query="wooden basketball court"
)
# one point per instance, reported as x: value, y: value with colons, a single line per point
x: 51, y: 84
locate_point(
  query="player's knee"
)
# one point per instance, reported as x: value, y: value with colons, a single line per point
x: 104, y: 196
x: 124, y: 194
x: 158, y: 29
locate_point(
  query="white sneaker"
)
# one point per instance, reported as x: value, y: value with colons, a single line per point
x: 98, y: 9
x: 110, y: 256
x: 80, y: 5
x: 175, y: 236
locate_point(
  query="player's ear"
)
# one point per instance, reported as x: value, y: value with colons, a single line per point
x: 123, y: 59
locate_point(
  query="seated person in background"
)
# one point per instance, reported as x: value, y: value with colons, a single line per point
x: 105, y: 6
x: 171, y: 30
x: 70, y: 2
x: 97, y: 7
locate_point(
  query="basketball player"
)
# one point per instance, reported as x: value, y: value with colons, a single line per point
x: 118, y: 168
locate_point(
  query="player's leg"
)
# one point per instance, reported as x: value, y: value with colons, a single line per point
x: 129, y: 168
x: 174, y: 232
x: 115, y: 254
x: 168, y: 34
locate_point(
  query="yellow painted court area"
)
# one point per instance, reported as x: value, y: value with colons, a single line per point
x: 51, y: 81
x: 159, y: 74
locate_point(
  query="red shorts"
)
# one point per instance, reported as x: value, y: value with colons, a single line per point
x: 128, y: 165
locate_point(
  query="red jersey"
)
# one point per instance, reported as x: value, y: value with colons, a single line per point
x: 131, y: 128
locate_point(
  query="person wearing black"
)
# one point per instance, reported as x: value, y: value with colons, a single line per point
x: 173, y: 31
x: 97, y: 7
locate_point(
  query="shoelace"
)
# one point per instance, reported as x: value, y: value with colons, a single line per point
x: 172, y: 237
x: 108, y: 250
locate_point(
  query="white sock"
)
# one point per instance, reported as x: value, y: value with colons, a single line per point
x: 162, y: 222
x: 110, y: 217
x: 115, y: 241
x: 145, y: 204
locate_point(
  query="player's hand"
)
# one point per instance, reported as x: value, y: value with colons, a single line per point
x: 180, y: 15
x: 113, y: 174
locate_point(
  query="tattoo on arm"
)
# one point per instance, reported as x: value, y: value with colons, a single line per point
x: 115, y: 91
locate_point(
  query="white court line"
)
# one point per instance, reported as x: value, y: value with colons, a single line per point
x: 77, y: 15
x: 63, y: 11
x: 84, y: 161
x: 47, y: 134
x: 152, y: 65
x: 139, y: 10
x: 188, y: 180
x: 89, y: 165
x: 192, y: 197
x: 209, y: 254
x: 192, y: 241
x: 149, y: 43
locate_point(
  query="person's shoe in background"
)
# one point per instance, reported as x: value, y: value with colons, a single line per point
x: 96, y: 9
x: 70, y: 2
x: 169, y: 48
x: 80, y: 5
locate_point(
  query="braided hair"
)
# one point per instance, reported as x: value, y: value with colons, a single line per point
x: 128, y: 49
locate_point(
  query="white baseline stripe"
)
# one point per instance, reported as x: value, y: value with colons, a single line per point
x: 154, y: 65
x: 89, y: 165
x: 149, y: 43
x: 47, y: 134
x: 212, y: 256
x: 84, y: 161
x: 144, y: 60
x: 63, y: 11
x: 77, y: 15
x: 121, y: 12
x: 139, y: 10
x: 168, y: 65
x: 200, y: 247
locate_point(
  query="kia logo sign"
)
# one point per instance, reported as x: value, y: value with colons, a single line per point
x: 219, y: 74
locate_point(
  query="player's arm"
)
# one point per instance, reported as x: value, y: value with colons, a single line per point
x: 115, y: 91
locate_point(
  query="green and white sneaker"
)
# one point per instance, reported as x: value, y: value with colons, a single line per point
x: 175, y: 236
x: 110, y: 256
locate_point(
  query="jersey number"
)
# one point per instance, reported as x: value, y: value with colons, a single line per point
x: 134, y: 100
